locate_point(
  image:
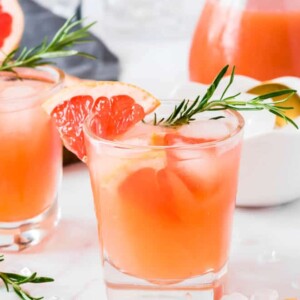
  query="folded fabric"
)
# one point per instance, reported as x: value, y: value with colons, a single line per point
x: 40, y: 22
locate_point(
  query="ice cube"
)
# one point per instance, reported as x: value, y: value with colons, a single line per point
x: 140, y: 134
x: 198, y: 168
x: 206, y: 129
x: 138, y: 130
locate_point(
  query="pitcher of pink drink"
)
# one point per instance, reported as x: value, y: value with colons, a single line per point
x: 261, y: 38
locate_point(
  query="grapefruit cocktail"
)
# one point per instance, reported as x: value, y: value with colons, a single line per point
x: 164, y: 179
x: 164, y: 191
x: 164, y: 197
x: 30, y: 155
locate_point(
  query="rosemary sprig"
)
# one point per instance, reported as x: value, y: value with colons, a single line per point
x: 185, y: 112
x: 14, y: 281
x: 59, y: 46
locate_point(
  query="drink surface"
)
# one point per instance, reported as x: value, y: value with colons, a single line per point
x: 30, y: 151
x: 260, y: 39
x: 165, y: 212
x: 21, y: 88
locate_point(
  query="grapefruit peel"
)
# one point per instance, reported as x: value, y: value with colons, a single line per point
x: 12, y: 26
x: 106, y: 89
x: 70, y: 107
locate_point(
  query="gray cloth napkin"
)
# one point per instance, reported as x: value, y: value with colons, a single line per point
x: 40, y: 22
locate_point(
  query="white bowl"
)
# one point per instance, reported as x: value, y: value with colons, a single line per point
x: 270, y: 162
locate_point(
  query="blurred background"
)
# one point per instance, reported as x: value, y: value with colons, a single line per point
x: 158, y: 44
x: 150, y: 39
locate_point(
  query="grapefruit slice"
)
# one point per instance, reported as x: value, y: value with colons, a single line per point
x: 115, y: 107
x: 11, y: 26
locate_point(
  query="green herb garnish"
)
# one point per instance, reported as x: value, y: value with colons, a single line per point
x: 59, y: 46
x: 185, y: 112
x: 14, y: 281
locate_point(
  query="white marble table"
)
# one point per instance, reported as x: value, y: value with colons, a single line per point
x: 265, y: 249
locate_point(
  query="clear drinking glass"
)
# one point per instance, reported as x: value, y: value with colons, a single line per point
x: 30, y: 157
x: 261, y: 38
x: 165, y: 212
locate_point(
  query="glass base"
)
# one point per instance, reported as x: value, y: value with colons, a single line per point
x: 17, y: 236
x: 126, y: 287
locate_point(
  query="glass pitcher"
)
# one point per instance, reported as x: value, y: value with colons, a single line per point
x: 261, y: 38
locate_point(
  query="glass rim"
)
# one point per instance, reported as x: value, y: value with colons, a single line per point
x: 57, y: 83
x: 123, y: 145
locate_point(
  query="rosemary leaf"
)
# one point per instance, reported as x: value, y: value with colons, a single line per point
x: 186, y: 111
x: 60, y: 46
x: 16, y: 280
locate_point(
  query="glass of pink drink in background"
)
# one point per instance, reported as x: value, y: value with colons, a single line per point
x: 164, y: 200
x: 30, y: 157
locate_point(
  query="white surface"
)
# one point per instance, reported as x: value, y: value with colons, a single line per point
x: 265, y: 250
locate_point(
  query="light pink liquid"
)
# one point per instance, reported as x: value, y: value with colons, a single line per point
x: 166, y: 213
x: 30, y: 151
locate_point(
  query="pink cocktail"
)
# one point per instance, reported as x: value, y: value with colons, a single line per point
x: 164, y: 199
x: 30, y: 157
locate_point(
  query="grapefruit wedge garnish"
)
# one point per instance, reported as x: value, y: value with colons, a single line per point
x: 11, y: 26
x: 114, y: 107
